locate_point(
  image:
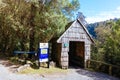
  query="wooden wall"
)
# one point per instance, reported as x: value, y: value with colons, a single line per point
x: 74, y: 33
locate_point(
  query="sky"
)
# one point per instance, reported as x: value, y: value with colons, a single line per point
x: 100, y: 10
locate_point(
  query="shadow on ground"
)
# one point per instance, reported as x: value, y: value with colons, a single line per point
x: 95, y: 75
x: 92, y: 74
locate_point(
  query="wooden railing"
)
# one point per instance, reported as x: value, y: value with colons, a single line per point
x: 103, y: 67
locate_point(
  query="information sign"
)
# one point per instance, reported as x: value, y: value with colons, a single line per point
x: 43, y: 51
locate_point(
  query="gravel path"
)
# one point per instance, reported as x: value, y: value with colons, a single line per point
x: 80, y: 74
x: 6, y: 74
x: 74, y: 74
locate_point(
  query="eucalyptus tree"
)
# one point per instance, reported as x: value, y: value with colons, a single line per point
x: 102, y: 32
x: 112, y: 44
x: 107, y: 44
x: 35, y: 21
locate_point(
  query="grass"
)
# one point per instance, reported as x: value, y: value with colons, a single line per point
x: 50, y: 70
x: 42, y: 70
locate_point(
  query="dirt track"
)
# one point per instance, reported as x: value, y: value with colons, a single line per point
x: 74, y: 74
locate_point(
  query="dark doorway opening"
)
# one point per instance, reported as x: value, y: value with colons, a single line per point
x: 76, y: 54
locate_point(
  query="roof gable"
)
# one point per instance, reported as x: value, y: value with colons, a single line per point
x: 77, y: 31
x: 86, y: 31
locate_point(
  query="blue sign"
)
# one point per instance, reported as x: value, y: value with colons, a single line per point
x: 43, y: 51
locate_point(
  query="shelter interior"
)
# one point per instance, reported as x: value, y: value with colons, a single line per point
x: 76, y: 53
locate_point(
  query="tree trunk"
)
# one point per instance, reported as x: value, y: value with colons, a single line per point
x: 32, y: 32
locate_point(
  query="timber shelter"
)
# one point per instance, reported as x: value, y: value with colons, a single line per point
x: 73, y: 46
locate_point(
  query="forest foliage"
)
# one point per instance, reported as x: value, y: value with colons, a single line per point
x: 25, y: 23
x: 107, y: 46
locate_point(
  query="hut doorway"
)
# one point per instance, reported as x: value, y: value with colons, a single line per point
x: 76, y: 53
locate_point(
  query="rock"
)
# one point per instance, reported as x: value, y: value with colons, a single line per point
x: 28, y: 62
x: 21, y: 68
x: 52, y: 64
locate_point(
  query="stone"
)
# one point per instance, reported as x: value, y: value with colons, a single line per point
x: 21, y: 68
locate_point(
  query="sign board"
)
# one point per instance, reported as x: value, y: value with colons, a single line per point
x: 66, y: 45
x: 43, y: 52
x: 43, y: 45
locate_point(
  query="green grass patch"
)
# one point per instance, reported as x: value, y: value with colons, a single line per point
x: 43, y: 71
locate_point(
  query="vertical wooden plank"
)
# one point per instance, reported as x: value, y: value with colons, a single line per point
x: 59, y: 48
x: 88, y: 64
x: 110, y: 70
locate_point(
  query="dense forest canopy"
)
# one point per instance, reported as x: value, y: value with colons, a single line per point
x: 25, y: 23
x: 107, y: 44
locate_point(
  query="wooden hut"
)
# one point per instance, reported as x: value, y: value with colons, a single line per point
x: 73, y: 46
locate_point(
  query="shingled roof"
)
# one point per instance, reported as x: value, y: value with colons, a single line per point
x: 82, y: 25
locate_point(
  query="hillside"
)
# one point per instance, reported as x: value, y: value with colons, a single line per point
x: 91, y: 27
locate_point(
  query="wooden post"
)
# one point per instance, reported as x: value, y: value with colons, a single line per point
x: 38, y: 56
x: 48, y: 59
x: 38, y: 61
x: 110, y: 70
x: 88, y: 63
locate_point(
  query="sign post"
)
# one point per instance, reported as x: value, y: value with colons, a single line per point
x: 43, y: 53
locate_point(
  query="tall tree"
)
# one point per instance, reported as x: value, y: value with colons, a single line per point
x: 107, y: 43
x: 102, y: 33
x: 35, y: 21
x: 112, y: 44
